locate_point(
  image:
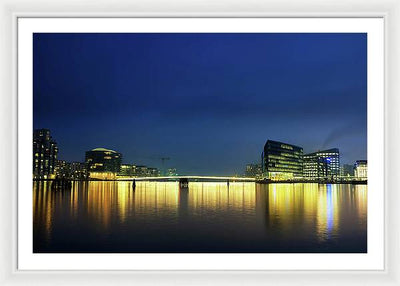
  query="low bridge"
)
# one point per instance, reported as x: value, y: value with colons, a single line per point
x: 190, y: 179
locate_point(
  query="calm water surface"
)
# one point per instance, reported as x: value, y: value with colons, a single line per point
x: 206, y: 217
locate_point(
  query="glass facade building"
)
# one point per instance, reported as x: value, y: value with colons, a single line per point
x: 103, y: 163
x: 45, y: 152
x: 253, y: 171
x: 361, y: 169
x: 129, y: 170
x: 322, y: 164
x: 282, y: 161
x: 348, y: 170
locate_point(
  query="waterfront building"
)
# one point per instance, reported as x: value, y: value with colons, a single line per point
x: 141, y: 171
x: 60, y: 169
x: 282, y: 161
x: 127, y: 170
x: 361, y: 169
x: 348, y: 170
x: 172, y: 172
x: 153, y: 172
x: 103, y: 163
x: 71, y: 170
x: 322, y: 164
x: 314, y: 166
x: 253, y: 171
x: 78, y: 171
x: 45, y: 152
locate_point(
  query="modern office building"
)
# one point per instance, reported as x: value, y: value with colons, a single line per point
x: 45, y: 152
x: 314, y: 166
x: 282, y: 161
x: 153, y: 172
x: 322, y: 164
x: 129, y: 170
x: 253, y: 171
x: 103, y: 163
x: 141, y: 171
x: 348, y: 170
x: 71, y: 170
x: 361, y: 169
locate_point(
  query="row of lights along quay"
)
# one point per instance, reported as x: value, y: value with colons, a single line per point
x: 280, y: 162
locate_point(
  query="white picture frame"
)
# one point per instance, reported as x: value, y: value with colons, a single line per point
x: 13, y: 9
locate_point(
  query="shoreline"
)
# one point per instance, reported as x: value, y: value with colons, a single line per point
x: 263, y: 182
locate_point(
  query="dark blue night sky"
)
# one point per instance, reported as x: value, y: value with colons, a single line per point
x: 207, y: 101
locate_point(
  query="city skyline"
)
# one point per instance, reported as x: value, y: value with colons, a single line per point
x: 207, y: 101
x: 100, y: 163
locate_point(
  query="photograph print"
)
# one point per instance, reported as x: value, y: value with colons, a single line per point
x: 200, y: 143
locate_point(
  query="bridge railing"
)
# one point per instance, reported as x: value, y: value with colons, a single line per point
x: 190, y: 178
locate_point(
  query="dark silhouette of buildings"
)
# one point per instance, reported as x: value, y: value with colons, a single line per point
x: 131, y: 170
x: 281, y: 161
x: 103, y: 163
x: 71, y: 170
x: 322, y: 164
x: 45, y: 152
x: 348, y: 170
x: 253, y: 171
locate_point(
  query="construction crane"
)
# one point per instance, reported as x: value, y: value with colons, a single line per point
x: 158, y: 157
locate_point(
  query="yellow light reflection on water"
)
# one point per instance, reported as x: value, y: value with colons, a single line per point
x: 313, y: 206
x: 328, y: 211
x: 316, y: 209
x: 124, y: 200
x: 158, y: 197
x: 74, y: 200
x: 43, y: 209
x: 220, y: 196
x: 100, y: 198
x: 362, y: 202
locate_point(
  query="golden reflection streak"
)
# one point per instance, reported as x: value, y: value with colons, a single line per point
x: 157, y: 197
x: 287, y: 204
x: 123, y: 200
x: 49, y: 209
x: 100, y: 200
x: 104, y: 197
x: 74, y: 200
x: 310, y: 204
x: 43, y: 210
x: 328, y: 212
x: 218, y: 196
x: 304, y: 203
x: 361, y: 194
x: 148, y: 197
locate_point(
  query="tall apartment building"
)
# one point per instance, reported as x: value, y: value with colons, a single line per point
x: 45, y: 152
